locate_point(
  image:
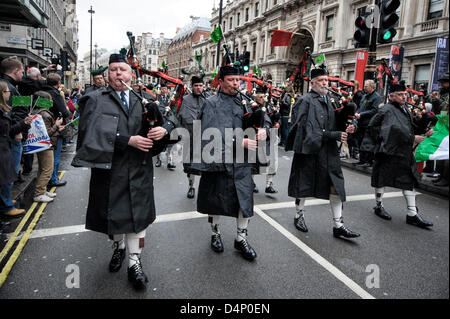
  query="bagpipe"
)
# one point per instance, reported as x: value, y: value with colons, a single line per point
x: 179, y: 91
x: 253, y: 114
x: 344, y: 110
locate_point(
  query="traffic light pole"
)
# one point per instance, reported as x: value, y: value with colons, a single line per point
x: 371, y: 67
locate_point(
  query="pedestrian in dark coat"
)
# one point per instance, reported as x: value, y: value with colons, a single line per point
x: 316, y: 167
x: 395, y: 134
x: 110, y: 142
x: 98, y: 80
x: 226, y: 186
x: 189, y: 112
x: 366, y: 110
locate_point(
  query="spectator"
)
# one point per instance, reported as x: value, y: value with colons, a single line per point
x: 443, y: 166
x: 32, y: 83
x: 12, y: 72
x: 58, y: 109
x: 46, y: 158
x: 7, y: 172
x: 366, y: 110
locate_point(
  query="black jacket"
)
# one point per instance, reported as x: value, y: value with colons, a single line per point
x: 7, y: 173
x: 368, y: 108
x: 316, y: 164
x: 121, y: 196
x: 29, y: 86
x: 59, y: 108
x: 12, y: 86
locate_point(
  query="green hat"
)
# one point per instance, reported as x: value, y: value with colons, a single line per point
x: 99, y: 71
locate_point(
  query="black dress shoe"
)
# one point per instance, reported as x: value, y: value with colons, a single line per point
x: 418, y: 221
x: 158, y: 163
x: 246, y: 250
x: 57, y: 184
x: 271, y: 190
x: 381, y: 212
x: 344, y: 232
x: 171, y: 166
x: 216, y: 243
x: 117, y: 258
x: 300, y: 224
x: 137, y: 276
x: 191, y: 192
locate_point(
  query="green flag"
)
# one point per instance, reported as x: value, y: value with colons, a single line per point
x: 24, y: 101
x: 257, y: 70
x: 216, y: 35
x: 41, y: 102
x: 214, y: 74
x: 163, y: 64
x: 320, y: 59
x: 436, y: 146
x: 76, y: 121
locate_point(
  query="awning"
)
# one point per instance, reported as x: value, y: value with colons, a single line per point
x: 24, y: 12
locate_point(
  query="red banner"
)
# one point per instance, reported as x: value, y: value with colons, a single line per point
x: 281, y: 38
x: 360, y: 67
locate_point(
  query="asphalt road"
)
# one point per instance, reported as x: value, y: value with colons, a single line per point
x: 390, y: 260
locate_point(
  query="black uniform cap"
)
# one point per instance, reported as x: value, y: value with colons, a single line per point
x: 196, y: 79
x: 397, y: 88
x: 228, y: 70
x: 318, y: 72
x: 117, y: 58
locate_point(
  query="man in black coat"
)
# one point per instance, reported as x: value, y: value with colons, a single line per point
x: 115, y: 142
x: 226, y: 185
x: 395, y: 134
x: 366, y: 110
x: 316, y: 167
x: 189, y: 112
x: 98, y: 80
x: 59, y: 110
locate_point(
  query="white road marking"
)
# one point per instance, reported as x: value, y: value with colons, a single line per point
x: 56, y: 231
x: 316, y: 257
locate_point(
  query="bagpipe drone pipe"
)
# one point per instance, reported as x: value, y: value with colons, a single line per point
x: 423, y: 119
x: 344, y: 112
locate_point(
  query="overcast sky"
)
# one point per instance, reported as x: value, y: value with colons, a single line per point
x: 113, y: 18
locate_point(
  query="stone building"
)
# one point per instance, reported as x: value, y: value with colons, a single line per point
x: 51, y: 23
x: 326, y: 26
x: 180, y: 54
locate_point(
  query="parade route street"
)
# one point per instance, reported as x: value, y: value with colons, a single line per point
x: 391, y: 259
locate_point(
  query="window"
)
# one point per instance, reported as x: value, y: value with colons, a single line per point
x: 224, y: 26
x: 256, y: 9
x: 267, y: 4
x: 275, y: 2
x: 329, y: 30
x: 247, y: 14
x: 231, y: 23
x: 238, y: 19
x: 422, y: 75
x: 435, y: 9
x: 254, y: 51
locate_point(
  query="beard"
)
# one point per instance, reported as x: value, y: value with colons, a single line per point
x: 320, y: 90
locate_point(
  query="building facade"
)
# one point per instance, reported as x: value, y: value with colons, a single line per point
x: 180, y: 54
x: 37, y: 44
x: 326, y: 26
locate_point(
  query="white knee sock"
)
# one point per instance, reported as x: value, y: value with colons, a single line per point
x: 299, y: 206
x: 120, y: 240
x: 135, y: 244
x: 379, y: 192
x: 336, y: 209
x: 410, y: 197
x: 242, y: 224
x: 214, y: 220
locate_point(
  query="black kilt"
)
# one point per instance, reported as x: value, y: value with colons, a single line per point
x: 394, y: 171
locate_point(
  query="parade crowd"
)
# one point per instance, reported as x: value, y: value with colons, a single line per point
x: 119, y: 133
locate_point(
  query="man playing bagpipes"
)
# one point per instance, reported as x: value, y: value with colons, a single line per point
x: 395, y: 131
x: 189, y: 112
x: 98, y: 80
x: 118, y: 135
x: 316, y: 166
x: 272, y: 121
x: 164, y: 106
x: 226, y: 185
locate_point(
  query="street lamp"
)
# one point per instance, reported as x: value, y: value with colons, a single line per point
x: 90, y: 65
x: 95, y: 60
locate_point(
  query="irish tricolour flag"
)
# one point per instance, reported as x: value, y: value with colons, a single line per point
x: 435, y: 147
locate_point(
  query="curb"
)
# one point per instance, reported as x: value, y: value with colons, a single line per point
x: 424, y: 185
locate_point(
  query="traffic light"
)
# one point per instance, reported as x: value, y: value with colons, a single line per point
x: 388, y: 19
x: 362, y: 33
x: 246, y: 61
x: 64, y: 61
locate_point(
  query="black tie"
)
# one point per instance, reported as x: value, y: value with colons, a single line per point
x: 124, y: 100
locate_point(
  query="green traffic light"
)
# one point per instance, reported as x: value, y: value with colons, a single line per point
x: 246, y: 68
x: 387, y: 35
